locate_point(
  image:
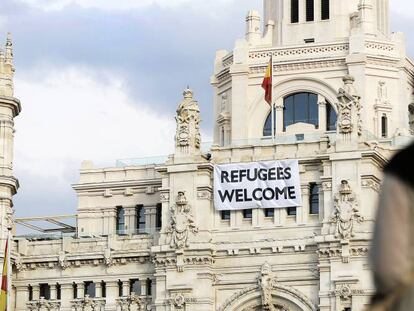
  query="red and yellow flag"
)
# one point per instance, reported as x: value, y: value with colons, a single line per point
x: 267, y: 83
x: 4, y: 280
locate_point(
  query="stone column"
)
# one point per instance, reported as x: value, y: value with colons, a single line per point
x: 130, y: 220
x: 303, y: 211
x: 36, y: 292
x: 322, y: 113
x: 98, y: 289
x: 81, y: 290
x: 53, y: 292
x: 125, y: 288
x: 22, y: 297
x: 111, y: 295
x: 66, y: 293
x: 143, y: 287
x: 153, y: 290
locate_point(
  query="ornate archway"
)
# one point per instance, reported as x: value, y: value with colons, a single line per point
x: 268, y: 295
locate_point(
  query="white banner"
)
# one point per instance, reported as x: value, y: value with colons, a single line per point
x: 273, y: 184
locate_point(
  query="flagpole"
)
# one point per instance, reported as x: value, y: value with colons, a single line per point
x: 9, y: 269
x: 271, y: 99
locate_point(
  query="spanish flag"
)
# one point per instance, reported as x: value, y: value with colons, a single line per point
x: 4, y: 283
x: 268, y: 82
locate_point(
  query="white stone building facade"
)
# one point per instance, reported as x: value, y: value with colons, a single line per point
x: 148, y: 236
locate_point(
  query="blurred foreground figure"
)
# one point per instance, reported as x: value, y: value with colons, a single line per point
x: 393, y: 246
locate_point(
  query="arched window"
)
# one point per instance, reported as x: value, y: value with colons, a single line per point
x: 267, y: 129
x: 331, y: 117
x: 301, y: 107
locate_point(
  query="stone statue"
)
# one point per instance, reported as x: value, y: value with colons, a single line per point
x: 349, y: 108
x: 346, y: 212
x: 188, y: 138
x: 267, y: 284
x: 182, y: 222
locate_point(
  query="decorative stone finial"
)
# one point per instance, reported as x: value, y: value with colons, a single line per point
x: 188, y: 93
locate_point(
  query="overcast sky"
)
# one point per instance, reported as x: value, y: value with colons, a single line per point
x: 101, y: 79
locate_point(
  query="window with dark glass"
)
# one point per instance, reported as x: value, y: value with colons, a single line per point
x: 158, y: 219
x: 310, y: 10
x: 149, y: 287
x: 140, y: 214
x: 384, y: 126
x: 331, y: 117
x: 314, y: 199
x: 103, y: 289
x: 291, y: 211
x: 301, y: 107
x: 267, y: 129
x: 135, y: 287
x: 120, y: 289
x: 58, y: 292
x: 90, y: 289
x: 44, y: 291
x: 75, y: 290
x: 225, y: 215
x: 269, y: 212
x: 120, y: 220
x: 294, y: 11
x: 247, y: 213
x: 325, y: 8
x: 30, y: 289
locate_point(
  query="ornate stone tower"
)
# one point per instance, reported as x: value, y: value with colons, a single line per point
x: 9, y: 109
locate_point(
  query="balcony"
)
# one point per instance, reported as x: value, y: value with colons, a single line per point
x: 88, y: 304
x: 133, y: 303
x: 43, y: 305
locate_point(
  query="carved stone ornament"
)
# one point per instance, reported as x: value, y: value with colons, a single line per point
x: 88, y: 304
x: 188, y: 124
x: 178, y: 301
x: 43, y: 305
x: 267, y: 283
x: 63, y: 262
x: 346, y: 212
x: 382, y: 93
x: 349, y: 108
x: 109, y: 261
x: 182, y: 222
x: 131, y: 303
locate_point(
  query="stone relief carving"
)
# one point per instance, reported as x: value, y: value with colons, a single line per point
x: 63, y: 262
x: 88, y: 304
x: 109, y: 261
x: 349, y: 108
x: 346, y: 212
x: 178, y: 301
x: 43, y: 305
x: 188, y: 123
x: 382, y: 93
x: 182, y: 222
x: 411, y: 117
x: 267, y: 283
x: 224, y: 98
x: 131, y: 303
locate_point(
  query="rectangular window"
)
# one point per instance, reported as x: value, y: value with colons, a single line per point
x: 225, y: 215
x: 384, y: 126
x: 120, y: 289
x: 291, y: 211
x: 30, y: 289
x: 120, y: 220
x: 314, y: 199
x: 325, y: 8
x: 90, y: 289
x: 58, y: 292
x: 75, y: 290
x: 269, y: 212
x: 247, y: 214
x: 158, y: 219
x: 44, y: 291
x: 135, y: 287
x: 140, y: 214
x: 149, y: 287
x: 103, y: 289
x: 294, y: 11
x: 310, y: 10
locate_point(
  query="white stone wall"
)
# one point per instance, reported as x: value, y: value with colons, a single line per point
x: 198, y: 261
